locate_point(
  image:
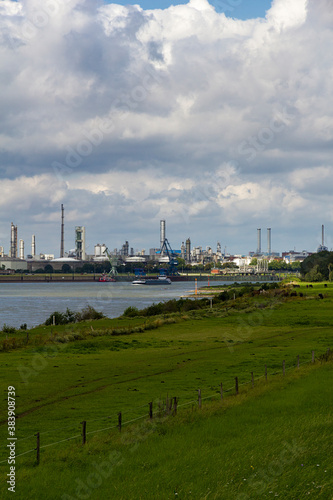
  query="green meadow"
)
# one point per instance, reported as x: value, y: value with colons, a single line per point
x: 272, y: 439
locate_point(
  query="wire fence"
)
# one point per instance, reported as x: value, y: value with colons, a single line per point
x: 164, y: 408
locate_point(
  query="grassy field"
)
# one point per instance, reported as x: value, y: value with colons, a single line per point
x: 280, y: 427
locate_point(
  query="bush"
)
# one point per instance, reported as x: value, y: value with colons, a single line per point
x: 8, y: 329
x: 223, y: 296
x: 88, y: 313
x: 154, y: 309
x: 60, y: 318
x: 131, y: 312
x: 73, y: 317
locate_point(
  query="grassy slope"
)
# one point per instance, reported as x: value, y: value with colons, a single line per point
x: 102, y: 375
x: 268, y: 443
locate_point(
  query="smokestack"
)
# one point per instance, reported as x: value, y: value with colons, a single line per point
x: 162, y: 232
x: 259, y: 241
x: 33, y: 245
x: 11, y: 252
x: 188, y: 250
x: 13, y: 241
x: 62, y: 252
x: 22, y: 249
x: 322, y: 235
x: 269, y: 241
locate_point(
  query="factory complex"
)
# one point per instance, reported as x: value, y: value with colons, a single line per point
x: 75, y: 259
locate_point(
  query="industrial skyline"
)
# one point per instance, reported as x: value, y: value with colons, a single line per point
x: 79, y: 250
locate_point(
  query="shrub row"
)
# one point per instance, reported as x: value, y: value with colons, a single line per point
x: 185, y: 305
x: 58, y: 318
x: 39, y: 340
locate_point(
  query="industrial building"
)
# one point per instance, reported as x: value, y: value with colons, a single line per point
x: 80, y: 242
x: 76, y: 258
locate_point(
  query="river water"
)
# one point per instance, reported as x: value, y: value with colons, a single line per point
x: 33, y: 303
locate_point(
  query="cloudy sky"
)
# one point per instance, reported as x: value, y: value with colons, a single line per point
x: 203, y: 114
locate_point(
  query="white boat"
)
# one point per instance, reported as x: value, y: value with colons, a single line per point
x: 139, y: 282
x: 161, y: 280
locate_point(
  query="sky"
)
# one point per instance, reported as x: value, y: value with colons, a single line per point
x: 240, y: 9
x: 218, y: 122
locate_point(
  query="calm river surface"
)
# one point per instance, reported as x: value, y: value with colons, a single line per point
x: 32, y: 303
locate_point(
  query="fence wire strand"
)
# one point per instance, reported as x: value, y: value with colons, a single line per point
x: 192, y: 402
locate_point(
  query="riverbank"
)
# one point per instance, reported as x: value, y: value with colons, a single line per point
x: 88, y: 278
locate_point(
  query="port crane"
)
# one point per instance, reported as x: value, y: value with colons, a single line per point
x: 172, y: 256
x: 113, y: 259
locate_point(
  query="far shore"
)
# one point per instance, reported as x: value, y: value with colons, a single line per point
x: 73, y: 277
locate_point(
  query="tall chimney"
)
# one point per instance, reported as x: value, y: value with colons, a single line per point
x: 259, y: 241
x: 269, y: 241
x: 322, y: 235
x: 13, y: 241
x: 188, y: 250
x: 33, y: 245
x: 62, y: 252
x: 12, y: 237
x: 162, y: 233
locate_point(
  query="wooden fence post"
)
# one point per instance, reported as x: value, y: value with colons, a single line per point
x: 199, y: 397
x: 151, y: 410
x: 266, y: 372
x: 175, y: 403
x: 221, y: 390
x: 252, y: 379
x: 236, y: 384
x: 119, y: 421
x: 284, y: 367
x: 38, y: 448
x: 84, y: 434
x: 313, y: 356
x: 167, y: 405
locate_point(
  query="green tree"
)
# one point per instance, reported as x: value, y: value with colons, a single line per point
x: 229, y: 265
x: 330, y: 271
x: 296, y: 266
x: 181, y: 262
x: 314, y: 274
x: 322, y: 260
x: 208, y: 266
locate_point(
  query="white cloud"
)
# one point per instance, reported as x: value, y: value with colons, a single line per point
x: 141, y: 110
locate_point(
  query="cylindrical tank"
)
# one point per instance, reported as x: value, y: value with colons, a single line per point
x: 103, y: 248
x: 183, y: 251
x: 97, y: 250
x: 259, y: 241
x: 22, y: 249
